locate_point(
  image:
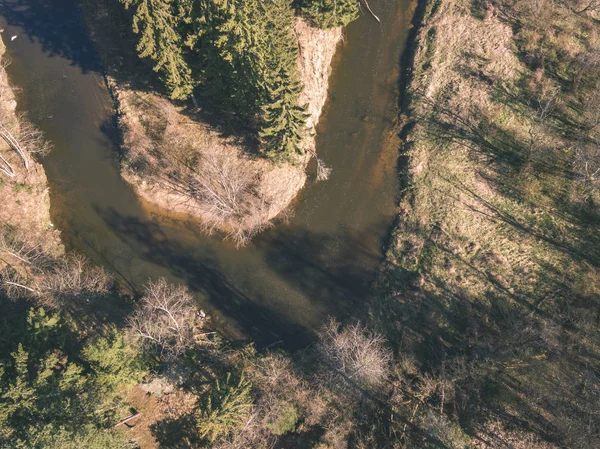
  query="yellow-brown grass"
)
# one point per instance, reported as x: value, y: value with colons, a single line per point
x: 494, y: 261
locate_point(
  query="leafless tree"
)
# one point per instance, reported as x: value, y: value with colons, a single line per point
x: 541, y: 109
x: 355, y: 353
x: 323, y: 170
x: 12, y: 284
x: 165, y: 318
x: 17, y: 246
x: 31, y: 139
x: 24, y: 139
x: 587, y: 163
x: 71, y: 282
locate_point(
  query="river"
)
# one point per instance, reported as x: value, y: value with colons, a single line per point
x: 290, y: 278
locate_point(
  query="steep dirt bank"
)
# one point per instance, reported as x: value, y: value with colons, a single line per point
x: 178, y: 161
x: 24, y: 198
x: 492, y: 272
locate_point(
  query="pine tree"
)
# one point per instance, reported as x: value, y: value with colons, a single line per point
x: 157, y: 22
x: 284, y: 119
x: 330, y: 13
x: 46, y: 395
x: 226, y: 408
x: 244, y: 52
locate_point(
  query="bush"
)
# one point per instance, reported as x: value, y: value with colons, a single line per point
x: 354, y: 353
x: 165, y: 320
x: 286, y: 422
x: 227, y: 408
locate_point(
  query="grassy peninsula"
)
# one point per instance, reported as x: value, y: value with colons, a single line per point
x: 218, y: 102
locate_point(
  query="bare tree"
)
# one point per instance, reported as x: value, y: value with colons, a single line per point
x: 24, y: 139
x: 165, y: 318
x: 70, y: 282
x: 541, y: 109
x: 355, y: 353
x: 587, y: 163
x: 31, y: 139
x: 323, y: 170
x: 19, y: 247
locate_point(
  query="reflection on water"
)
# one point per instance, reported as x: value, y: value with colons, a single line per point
x: 289, y: 279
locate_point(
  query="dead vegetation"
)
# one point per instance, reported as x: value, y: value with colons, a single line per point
x: 187, y: 167
x: 165, y: 320
x: 355, y: 354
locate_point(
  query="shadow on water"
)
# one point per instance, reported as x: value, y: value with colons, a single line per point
x: 202, y: 275
x: 304, y: 264
x: 289, y: 279
x: 56, y: 25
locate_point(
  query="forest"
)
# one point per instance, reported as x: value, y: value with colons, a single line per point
x: 239, y: 54
x: 483, y: 325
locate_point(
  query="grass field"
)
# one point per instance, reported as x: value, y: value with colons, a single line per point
x: 492, y: 279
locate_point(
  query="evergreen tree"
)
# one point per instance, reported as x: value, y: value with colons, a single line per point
x: 50, y: 392
x: 245, y: 54
x: 330, y: 13
x: 284, y: 119
x: 226, y: 408
x: 158, y: 23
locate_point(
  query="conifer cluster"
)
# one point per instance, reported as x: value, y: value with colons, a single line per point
x: 239, y: 54
x: 330, y: 13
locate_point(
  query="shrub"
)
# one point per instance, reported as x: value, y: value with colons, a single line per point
x: 165, y: 319
x: 285, y: 422
x: 227, y: 408
x: 355, y: 353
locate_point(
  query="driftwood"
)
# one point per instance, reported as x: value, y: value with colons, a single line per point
x: 6, y: 168
x: 365, y: 3
x: 14, y: 144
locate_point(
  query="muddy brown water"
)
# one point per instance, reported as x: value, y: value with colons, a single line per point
x: 284, y: 284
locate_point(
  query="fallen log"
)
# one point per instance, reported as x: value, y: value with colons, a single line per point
x: 365, y: 3
x: 14, y: 144
x: 6, y: 168
x: 126, y: 420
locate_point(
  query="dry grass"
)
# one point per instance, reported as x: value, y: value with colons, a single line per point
x: 497, y: 234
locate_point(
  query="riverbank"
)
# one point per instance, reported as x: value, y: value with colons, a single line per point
x: 491, y: 282
x: 25, y: 212
x: 162, y: 140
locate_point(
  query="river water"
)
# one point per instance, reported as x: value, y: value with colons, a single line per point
x: 290, y: 278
